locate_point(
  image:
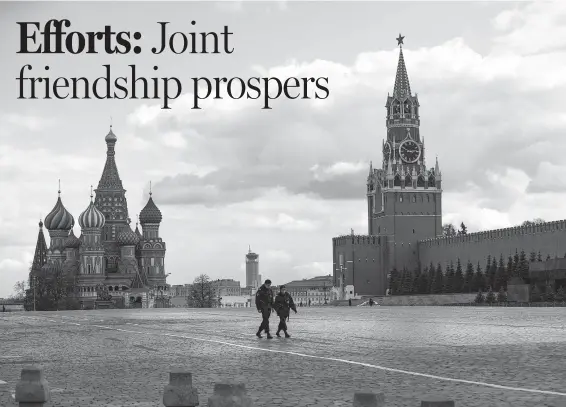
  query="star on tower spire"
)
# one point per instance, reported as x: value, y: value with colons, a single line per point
x: 402, y: 87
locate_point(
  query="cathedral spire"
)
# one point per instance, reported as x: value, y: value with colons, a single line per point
x: 402, y: 87
x: 40, y: 256
x: 110, y: 180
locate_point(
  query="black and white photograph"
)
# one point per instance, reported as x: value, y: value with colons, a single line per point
x: 282, y: 203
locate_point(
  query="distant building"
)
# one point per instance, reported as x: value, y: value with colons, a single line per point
x: 319, y: 290
x: 253, y: 279
x: 227, y: 287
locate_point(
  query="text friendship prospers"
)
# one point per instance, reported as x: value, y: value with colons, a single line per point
x: 54, y: 40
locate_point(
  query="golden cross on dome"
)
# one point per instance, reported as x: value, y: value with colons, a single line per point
x: 59, y: 191
x: 400, y: 39
x: 149, y: 188
x: 91, y: 193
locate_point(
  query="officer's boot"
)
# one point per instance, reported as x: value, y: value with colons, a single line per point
x: 269, y: 336
x: 287, y: 335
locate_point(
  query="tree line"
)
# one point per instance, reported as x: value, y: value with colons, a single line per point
x: 468, y: 278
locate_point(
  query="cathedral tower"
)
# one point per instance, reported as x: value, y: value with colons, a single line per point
x: 58, y: 222
x: 152, y: 247
x: 40, y: 256
x: 404, y: 197
x: 111, y: 201
x: 91, y: 251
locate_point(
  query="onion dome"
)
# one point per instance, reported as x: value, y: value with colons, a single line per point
x: 72, y: 242
x: 127, y: 237
x: 111, y: 137
x: 150, y: 213
x: 91, y: 217
x: 59, y: 218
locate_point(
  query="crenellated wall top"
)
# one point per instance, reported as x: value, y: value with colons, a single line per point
x: 496, y: 233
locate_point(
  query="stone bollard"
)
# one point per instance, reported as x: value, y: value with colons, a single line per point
x: 436, y: 401
x: 230, y: 395
x: 369, y: 399
x: 180, y: 392
x: 32, y: 390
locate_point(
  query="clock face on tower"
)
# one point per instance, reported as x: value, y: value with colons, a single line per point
x: 386, y: 151
x: 409, y: 151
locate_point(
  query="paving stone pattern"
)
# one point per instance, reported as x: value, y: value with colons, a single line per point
x: 117, y: 358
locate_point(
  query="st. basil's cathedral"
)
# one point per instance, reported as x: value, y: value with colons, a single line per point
x: 108, y: 255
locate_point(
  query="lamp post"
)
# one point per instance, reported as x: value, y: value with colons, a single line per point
x: 34, y: 279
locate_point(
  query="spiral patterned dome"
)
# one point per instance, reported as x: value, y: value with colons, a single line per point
x: 59, y: 218
x: 128, y: 237
x: 72, y: 242
x: 150, y: 213
x: 91, y: 218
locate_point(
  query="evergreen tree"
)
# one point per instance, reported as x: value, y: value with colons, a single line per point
x: 488, y: 265
x: 490, y: 275
x: 393, y: 282
x: 533, y: 257
x: 547, y: 257
x: 468, y: 278
x: 463, y: 229
x: 560, y: 297
x: 539, y: 256
x: 549, y: 293
x: 438, y: 280
x: 501, y: 295
x: 423, y: 283
x: 490, y: 297
x: 480, y: 298
x: 478, y: 282
x: 449, y: 279
x: 458, y: 281
x: 416, y: 280
x: 515, y: 263
x: 500, y: 274
x: 523, y: 268
x: 407, y: 282
x: 432, y: 271
x: 535, y: 294
x: 510, y: 267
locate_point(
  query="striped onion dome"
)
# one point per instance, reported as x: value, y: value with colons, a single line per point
x: 72, y: 242
x: 91, y: 218
x: 59, y: 218
x: 150, y: 213
x: 128, y: 237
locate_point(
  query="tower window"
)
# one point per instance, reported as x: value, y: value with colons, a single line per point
x: 400, y: 198
x: 414, y: 198
x: 397, y: 181
x: 413, y: 230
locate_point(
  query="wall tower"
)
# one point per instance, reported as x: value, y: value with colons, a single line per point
x: 152, y: 247
x: 404, y: 197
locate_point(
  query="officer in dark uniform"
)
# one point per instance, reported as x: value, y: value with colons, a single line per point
x: 283, y: 305
x: 264, y: 305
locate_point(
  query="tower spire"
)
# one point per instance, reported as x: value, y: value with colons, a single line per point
x: 402, y: 87
x: 40, y: 256
x: 150, y: 188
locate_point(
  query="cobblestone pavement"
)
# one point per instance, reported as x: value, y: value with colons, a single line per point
x: 117, y: 358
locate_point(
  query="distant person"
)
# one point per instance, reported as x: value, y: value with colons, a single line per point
x: 264, y: 305
x: 283, y: 304
x: 349, y: 301
x: 309, y: 302
x: 371, y: 302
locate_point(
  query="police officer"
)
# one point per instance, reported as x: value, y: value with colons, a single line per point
x: 283, y: 304
x: 264, y: 305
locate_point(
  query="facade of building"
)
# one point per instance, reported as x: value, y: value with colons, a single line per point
x: 313, y: 291
x: 404, y: 211
x: 253, y: 278
x: 107, y: 256
x: 227, y: 287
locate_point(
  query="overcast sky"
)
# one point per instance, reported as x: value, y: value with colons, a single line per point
x: 490, y: 79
